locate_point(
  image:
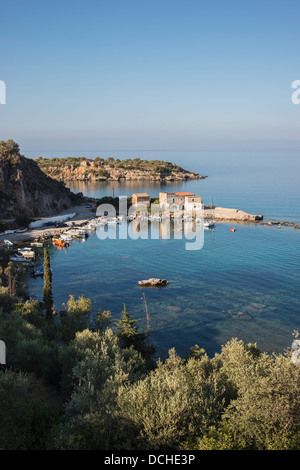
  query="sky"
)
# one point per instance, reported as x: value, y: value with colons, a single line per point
x: 150, y: 75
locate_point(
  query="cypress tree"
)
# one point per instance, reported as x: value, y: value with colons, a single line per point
x: 47, y: 292
x: 126, y: 327
x: 129, y: 336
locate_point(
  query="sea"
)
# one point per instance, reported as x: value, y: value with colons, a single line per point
x: 242, y: 284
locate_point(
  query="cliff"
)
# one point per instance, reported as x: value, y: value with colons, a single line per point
x: 98, y: 169
x: 25, y: 190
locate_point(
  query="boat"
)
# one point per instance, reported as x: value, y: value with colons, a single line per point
x: 38, y: 272
x: 113, y: 220
x: 8, y: 243
x: 26, y: 252
x: 66, y: 237
x: 208, y: 224
x: 59, y: 242
x: 17, y: 258
x: 78, y: 233
x: 21, y: 230
x: 17, y: 255
x: 232, y: 229
x: 211, y: 222
x: 37, y: 244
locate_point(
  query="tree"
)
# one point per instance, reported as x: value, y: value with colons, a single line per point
x: 12, y: 276
x: 47, y: 293
x: 126, y: 328
x: 76, y: 317
x: 130, y: 337
x: 103, y: 320
x: 8, y: 148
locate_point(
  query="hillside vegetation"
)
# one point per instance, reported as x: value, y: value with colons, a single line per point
x: 83, y: 381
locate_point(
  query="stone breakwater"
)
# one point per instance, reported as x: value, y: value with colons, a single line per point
x: 223, y: 214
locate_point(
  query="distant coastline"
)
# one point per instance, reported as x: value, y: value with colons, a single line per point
x: 111, y: 169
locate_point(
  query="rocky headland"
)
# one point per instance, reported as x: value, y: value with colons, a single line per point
x: 25, y: 190
x: 98, y: 169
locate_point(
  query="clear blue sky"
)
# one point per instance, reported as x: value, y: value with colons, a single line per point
x: 167, y: 74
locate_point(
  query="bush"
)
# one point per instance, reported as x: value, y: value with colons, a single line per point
x: 101, y: 367
x: 25, y: 422
x: 75, y: 318
x: 27, y: 349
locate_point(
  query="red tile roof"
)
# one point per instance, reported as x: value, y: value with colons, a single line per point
x: 184, y: 194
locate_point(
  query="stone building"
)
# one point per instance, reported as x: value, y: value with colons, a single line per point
x: 180, y: 201
x: 140, y: 198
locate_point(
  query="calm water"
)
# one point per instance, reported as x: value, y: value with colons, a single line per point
x: 226, y: 289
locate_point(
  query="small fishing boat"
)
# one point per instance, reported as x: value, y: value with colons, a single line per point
x: 58, y: 242
x: 17, y: 255
x: 38, y: 272
x: 17, y: 259
x: 232, y: 229
x: 8, y: 243
x: 65, y: 237
x: 26, y: 252
x: 211, y: 222
x: 113, y: 220
x: 208, y: 224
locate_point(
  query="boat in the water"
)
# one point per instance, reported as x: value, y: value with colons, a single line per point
x: 112, y: 220
x: 17, y: 258
x: 38, y: 272
x: 8, y: 243
x: 208, y: 224
x: 27, y: 252
x: 58, y: 242
x: 66, y: 238
x: 37, y: 244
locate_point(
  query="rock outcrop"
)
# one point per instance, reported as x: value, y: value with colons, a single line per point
x: 25, y: 190
x: 153, y: 282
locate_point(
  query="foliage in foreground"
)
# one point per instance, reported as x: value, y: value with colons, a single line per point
x: 240, y: 399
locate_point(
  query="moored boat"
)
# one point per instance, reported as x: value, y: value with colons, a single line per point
x: 59, y: 242
x: 27, y: 252
x: 208, y: 224
x: 17, y: 258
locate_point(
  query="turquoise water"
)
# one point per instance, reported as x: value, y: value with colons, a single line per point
x: 228, y: 288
